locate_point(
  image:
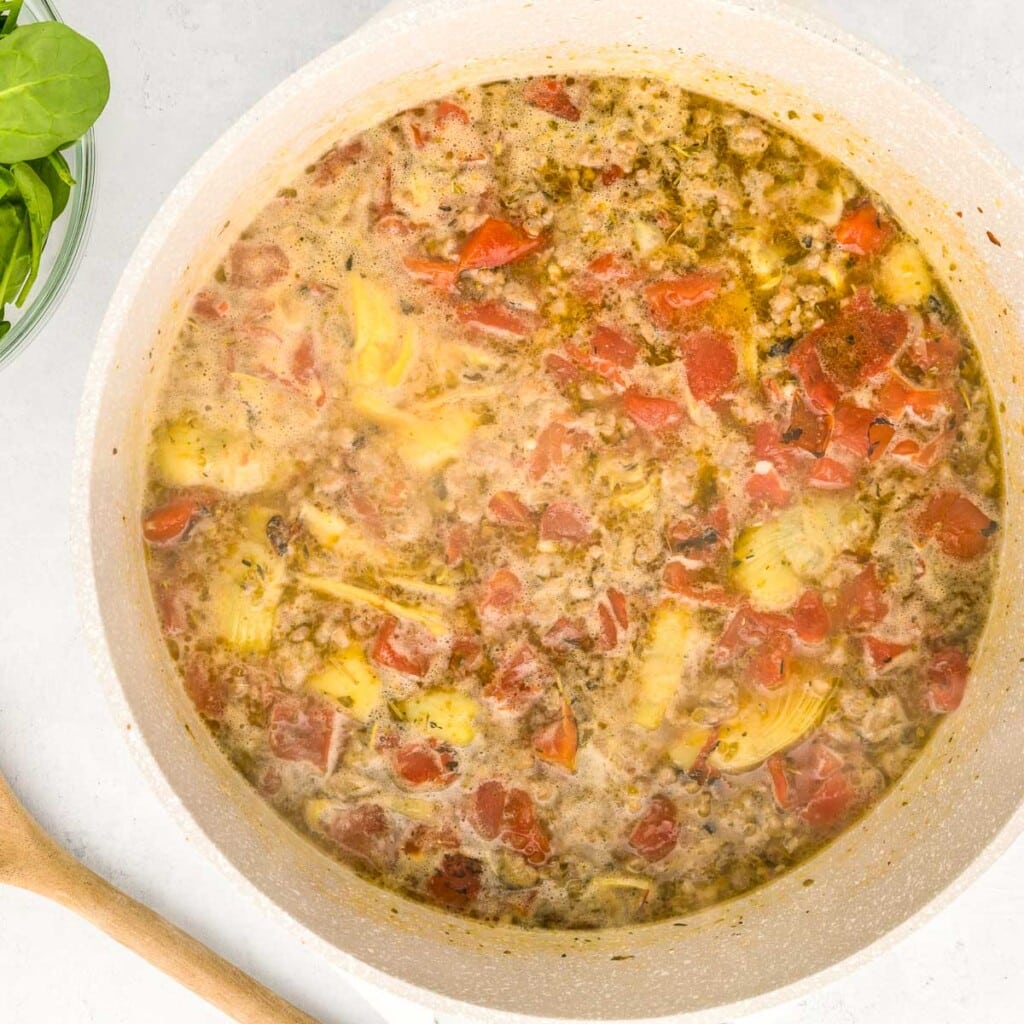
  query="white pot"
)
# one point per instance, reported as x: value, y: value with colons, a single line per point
x: 954, y: 810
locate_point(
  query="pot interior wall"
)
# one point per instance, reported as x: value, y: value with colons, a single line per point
x: 933, y: 825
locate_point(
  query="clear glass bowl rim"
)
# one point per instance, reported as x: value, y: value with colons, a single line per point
x: 47, y: 293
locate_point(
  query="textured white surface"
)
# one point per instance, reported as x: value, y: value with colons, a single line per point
x: 182, y: 73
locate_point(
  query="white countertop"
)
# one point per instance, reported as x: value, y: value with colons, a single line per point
x: 182, y: 71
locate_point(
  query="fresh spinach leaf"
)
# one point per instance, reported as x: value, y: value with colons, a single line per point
x: 53, y: 85
x: 7, y: 184
x: 15, y: 249
x: 9, y: 11
x: 35, y: 197
x: 56, y: 176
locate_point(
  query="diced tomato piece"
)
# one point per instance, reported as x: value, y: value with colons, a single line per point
x: 457, y: 543
x: 395, y: 225
x: 611, y: 174
x: 619, y: 607
x: 521, y: 677
x: 769, y: 447
x: 206, y: 687
x: 699, y: 537
x: 897, y: 395
x: 403, y: 648
x: 331, y: 165
x: 502, y: 591
x: 364, y: 832
x: 497, y: 318
x: 256, y: 264
x: 550, y: 95
x: 610, y: 267
x: 936, y: 348
x: 563, y: 370
x: 946, y: 678
x: 365, y: 508
x: 959, y: 527
x: 429, y: 838
x: 880, y: 433
x: 447, y: 111
x: 862, y: 230
x: 608, y: 635
x: 650, y: 412
x: 488, y: 808
x: 766, y: 487
x: 806, y: 366
x: 610, y: 346
x: 861, y: 600
x: 808, y: 429
x: 906, y: 447
x: 305, y: 729
x: 456, y: 882
x: 555, y: 444
x: 770, y: 661
x: 780, y: 781
x: 507, y: 509
x: 816, y: 788
x: 747, y: 627
x: 830, y: 475
x: 852, y: 425
x: 830, y: 802
x: 558, y: 742
x: 565, y: 633
x: 680, y: 580
x: 496, y: 243
x: 171, y: 521
x: 564, y: 521
x: 811, y: 619
x: 709, y: 359
x: 208, y: 305
x: 508, y: 814
x: 880, y: 653
x: 671, y: 299
x: 613, y: 616
x: 437, y: 273
x: 467, y: 652
x: 425, y: 764
x: 172, y: 606
x: 521, y: 830
x: 655, y: 835
x: 858, y: 344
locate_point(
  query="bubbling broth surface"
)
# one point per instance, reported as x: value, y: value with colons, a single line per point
x: 572, y: 502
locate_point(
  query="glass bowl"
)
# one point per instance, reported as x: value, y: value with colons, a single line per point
x: 64, y: 248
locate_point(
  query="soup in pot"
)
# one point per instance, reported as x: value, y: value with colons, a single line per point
x: 572, y: 502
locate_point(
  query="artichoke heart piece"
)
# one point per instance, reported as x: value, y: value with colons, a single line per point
x: 385, y: 342
x: 426, y: 438
x: 335, y: 533
x: 187, y: 453
x: 767, y: 724
x: 349, y: 679
x: 774, y: 561
x: 431, y: 619
x: 904, y: 277
x: 445, y: 714
x: 612, y: 882
x: 665, y: 658
x: 684, y: 750
x: 635, y: 487
x: 247, y: 589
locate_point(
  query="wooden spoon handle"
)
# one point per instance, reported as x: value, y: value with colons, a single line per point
x: 62, y: 878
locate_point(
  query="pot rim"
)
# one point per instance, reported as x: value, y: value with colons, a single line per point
x: 368, y: 37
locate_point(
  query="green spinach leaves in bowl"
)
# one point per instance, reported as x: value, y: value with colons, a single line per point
x: 53, y: 85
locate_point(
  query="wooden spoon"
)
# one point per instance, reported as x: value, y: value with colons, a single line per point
x: 31, y: 860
